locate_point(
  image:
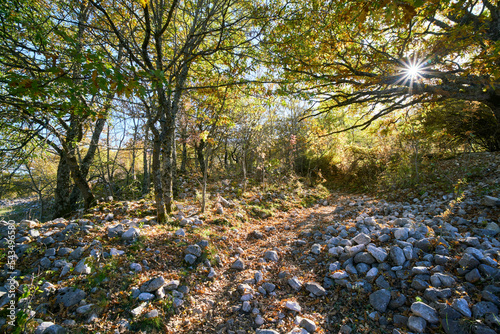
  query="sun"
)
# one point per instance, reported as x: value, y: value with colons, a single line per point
x: 414, y: 71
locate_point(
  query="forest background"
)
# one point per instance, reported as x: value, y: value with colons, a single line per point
x: 162, y: 99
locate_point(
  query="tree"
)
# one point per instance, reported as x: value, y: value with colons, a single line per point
x: 45, y: 66
x: 162, y: 41
x: 388, y: 54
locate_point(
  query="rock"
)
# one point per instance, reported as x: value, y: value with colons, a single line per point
x: 316, y: 249
x: 269, y: 287
x: 70, y: 296
x: 259, y: 321
x: 138, y: 310
x: 378, y: 253
x: 152, y: 314
x: 131, y: 234
x: 380, y: 300
x: 345, y: 329
x: 246, y: 307
x: 293, y: 306
x: 468, y: 261
x: 115, y: 231
x: 482, y: 308
x: 371, y: 274
x: 116, y: 252
x: 425, y: 311
x: 308, y: 325
x: 194, y: 250
x: 295, y: 283
x: 401, y: 233
x: 417, y: 324
x: 136, y: 267
x: 265, y: 331
x: 362, y: 239
x: 190, y: 258
x: 238, y: 264
x: 460, y: 304
x: 315, y: 288
x: 180, y: 232
x: 83, y: 266
x: 473, y: 276
x: 145, y: 296
x: 84, y: 309
x: 271, y: 256
x: 172, y: 285
x: 49, y: 328
x: 77, y: 253
x: 491, y: 201
x: 64, y: 251
x: 364, y: 257
x: 397, y: 255
x: 153, y: 284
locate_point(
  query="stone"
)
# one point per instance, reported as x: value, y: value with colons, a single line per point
x: 364, y: 257
x: 293, y: 306
x: 362, y: 239
x: 371, y: 274
x: 308, y: 325
x: 316, y: 249
x: 265, y: 331
x: 47, y: 327
x: 180, y: 233
x: 380, y: 300
x: 271, y: 256
x: 172, y: 285
x: 468, y: 261
x: 460, y: 304
x: 84, y: 309
x: 131, y: 234
x: 491, y: 201
x: 480, y: 309
x: 295, y: 283
x: 70, y: 296
x: 194, y: 250
x: 397, y: 255
x: 83, y: 266
x: 246, y: 307
x: 116, y: 252
x: 315, y: 288
x: 77, y: 253
x: 136, y: 267
x: 152, y: 314
x: 417, y: 324
x: 115, y: 231
x: 433, y: 294
x: 425, y: 311
x: 401, y: 233
x: 259, y: 321
x: 378, y: 253
x: 473, y: 276
x: 269, y: 287
x: 145, y: 296
x: 238, y: 264
x: 190, y: 258
x: 64, y: 251
x: 153, y: 284
x: 138, y: 310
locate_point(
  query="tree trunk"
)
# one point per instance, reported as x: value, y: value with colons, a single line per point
x: 62, y: 204
x: 157, y: 179
x: 175, y: 181
x: 145, y: 180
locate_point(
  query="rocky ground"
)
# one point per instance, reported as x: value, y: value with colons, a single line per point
x: 266, y: 264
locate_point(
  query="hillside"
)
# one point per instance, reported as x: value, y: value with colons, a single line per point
x: 291, y: 259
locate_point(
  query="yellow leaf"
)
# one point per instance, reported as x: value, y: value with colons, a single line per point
x: 144, y: 3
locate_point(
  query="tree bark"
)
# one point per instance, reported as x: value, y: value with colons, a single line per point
x: 62, y: 204
x: 145, y: 180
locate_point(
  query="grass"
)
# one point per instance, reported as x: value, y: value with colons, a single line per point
x: 149, y: 325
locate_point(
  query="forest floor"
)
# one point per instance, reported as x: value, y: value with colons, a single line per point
x: 290, y: 259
